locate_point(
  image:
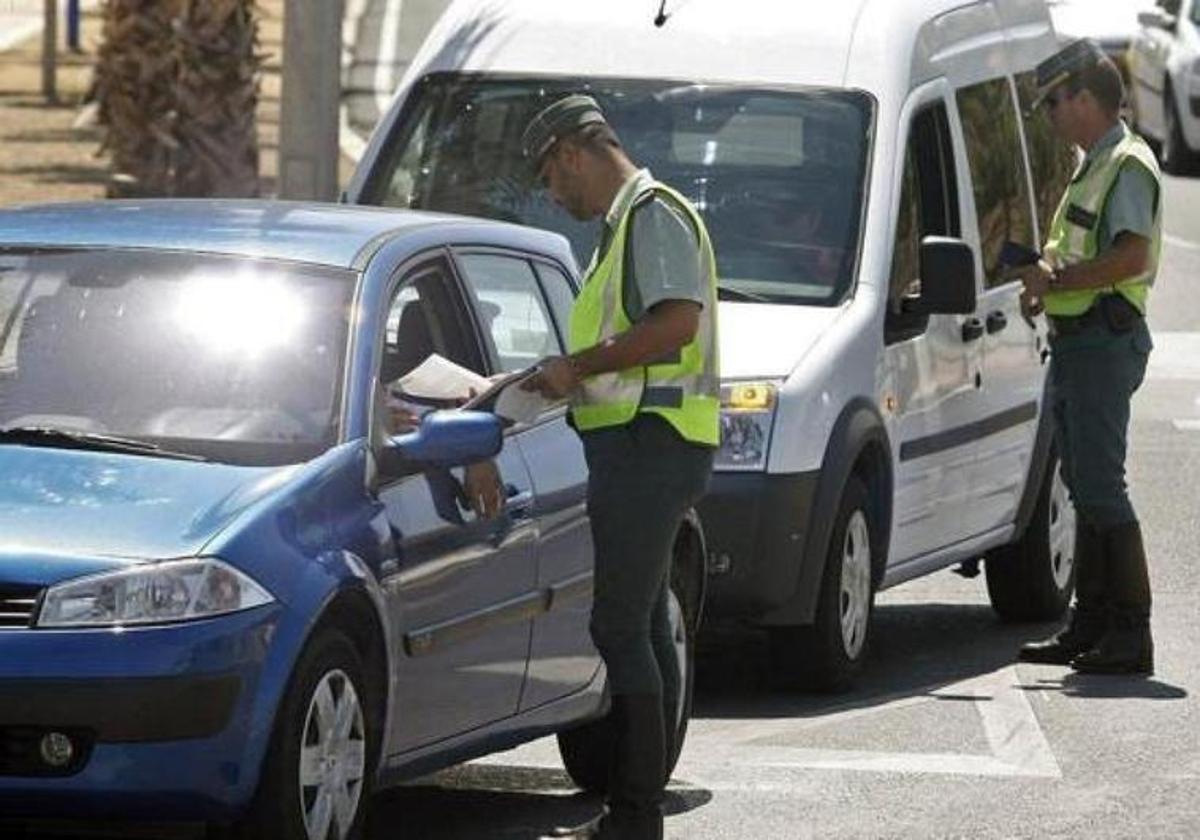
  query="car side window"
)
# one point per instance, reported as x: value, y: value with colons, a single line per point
x: 513, y: 313
x: 1052, y: 161
x: 1001, y: 187
x: 928, y: 207
x: 561, y: 294
x: 426, y: 316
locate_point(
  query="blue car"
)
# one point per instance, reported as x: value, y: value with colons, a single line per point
x: 232, y: 589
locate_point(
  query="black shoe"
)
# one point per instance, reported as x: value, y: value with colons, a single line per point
x: 1124, y: 650
x: 586, y: 831
x: 1082, y: 634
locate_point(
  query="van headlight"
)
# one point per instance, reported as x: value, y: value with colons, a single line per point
x: 747, y: 415
x: 153, y: 593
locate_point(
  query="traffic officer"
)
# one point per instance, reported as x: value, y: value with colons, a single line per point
x: 645, y: 392
x: 1098, y: 265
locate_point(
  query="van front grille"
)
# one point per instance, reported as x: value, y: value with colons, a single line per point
x: 17, y: 605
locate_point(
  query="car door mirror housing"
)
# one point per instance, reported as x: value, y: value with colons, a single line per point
x: 445, y: 439
x: 1156, y: 19
x: 947, y: 278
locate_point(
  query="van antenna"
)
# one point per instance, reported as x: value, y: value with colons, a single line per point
x: 662, y: 16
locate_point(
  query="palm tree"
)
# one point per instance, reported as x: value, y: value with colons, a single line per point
x: 178, y: 84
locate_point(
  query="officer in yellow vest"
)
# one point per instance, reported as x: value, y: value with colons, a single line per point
x: 644, y: 387
x: 1098, y: 265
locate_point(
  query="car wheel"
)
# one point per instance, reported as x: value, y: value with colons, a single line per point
x: 829, y: 654
x: 587, y: 750
x: 1177, y: 158
x: 1032, y: 579
x: 317, y: 776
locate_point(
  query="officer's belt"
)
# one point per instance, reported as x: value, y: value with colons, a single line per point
x: 1061, y: 325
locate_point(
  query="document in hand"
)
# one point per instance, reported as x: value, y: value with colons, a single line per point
x: 507, y: 399
x: 439, y: 381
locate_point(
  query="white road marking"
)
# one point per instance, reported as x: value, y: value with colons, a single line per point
x: 1180, y: 242
x: 738, y: 754
x: 1176, y: 356
x: 1187, y: 425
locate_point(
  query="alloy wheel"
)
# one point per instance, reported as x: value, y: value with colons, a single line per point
x: 856, y: 584
x: 333, y: 758
x: 1061, y: 532
x: 679, y: 636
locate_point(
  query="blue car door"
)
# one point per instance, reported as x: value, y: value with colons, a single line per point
x: 526, y: 301
x: 463, y: 588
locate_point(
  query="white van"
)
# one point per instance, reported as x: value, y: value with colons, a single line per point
x: 877, y: 426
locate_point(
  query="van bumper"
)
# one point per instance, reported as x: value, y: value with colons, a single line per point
x: 755, y: 525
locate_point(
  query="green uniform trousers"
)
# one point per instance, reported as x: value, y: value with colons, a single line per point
x: 1093, y: 375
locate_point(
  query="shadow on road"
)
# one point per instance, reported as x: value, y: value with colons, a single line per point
x: 1108, y: 687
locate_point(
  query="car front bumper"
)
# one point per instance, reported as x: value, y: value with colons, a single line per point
x: 166, y: 722
x: 755, y: 525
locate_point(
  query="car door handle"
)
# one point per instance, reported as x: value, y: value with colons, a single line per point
x: 517, y: 502
x: 972, y: 330
x: 996, y: 322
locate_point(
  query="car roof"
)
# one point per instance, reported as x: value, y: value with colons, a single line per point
x: 333, y: 235
x: 841, y: 44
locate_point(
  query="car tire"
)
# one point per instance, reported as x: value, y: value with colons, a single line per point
x: 828, y: 655
x: 326, y: 731
x: 587, y: 750
x: 1177, y: 156
x: 1033, y: 578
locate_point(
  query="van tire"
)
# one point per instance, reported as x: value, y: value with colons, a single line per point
x: 587, y: 750
x: 1177, y: 157
x: 828, y: 655
x: 1033, y: 578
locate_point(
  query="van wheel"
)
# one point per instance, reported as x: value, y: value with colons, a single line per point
x: 587, y: 750
x: 1033, y: 578
x: 1177, y: 158
x: 317, y: 775
x: 829, y: 654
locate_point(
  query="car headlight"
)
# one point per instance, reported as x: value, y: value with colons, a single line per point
x: 175, y: 590
x: 747, y: 415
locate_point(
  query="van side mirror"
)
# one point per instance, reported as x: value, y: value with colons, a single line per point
x: 947, y: 277
x: 1157, y: 19
x: 445, y: 439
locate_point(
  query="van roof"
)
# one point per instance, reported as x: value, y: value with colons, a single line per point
x: 847, y: 43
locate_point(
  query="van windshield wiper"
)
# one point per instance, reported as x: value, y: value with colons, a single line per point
x: 730, y: 293
x: 63, y: 439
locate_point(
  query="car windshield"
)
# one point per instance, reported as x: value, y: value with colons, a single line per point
x: 778, y: 174
x: 230, y: 359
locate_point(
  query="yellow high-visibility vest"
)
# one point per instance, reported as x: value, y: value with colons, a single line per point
x: 684, y: 389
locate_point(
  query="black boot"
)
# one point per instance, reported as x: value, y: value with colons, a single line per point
x: 1089, y: 619
x: 636, y: 783
x: 1127, y: 648
x: 635, y: 793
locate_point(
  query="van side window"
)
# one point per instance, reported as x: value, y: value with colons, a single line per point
x: 989, y: 118
x: 1052, y: 161
x: 928, y: 207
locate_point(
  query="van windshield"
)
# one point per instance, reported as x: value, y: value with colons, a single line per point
x: 778, y: 174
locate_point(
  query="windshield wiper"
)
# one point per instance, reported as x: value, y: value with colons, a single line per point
x: 64, y: 439
x: 730, y: 293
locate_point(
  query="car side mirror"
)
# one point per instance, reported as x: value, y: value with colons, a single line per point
x: 1157, y: 19
x: 947, y: 273
x: 445, y: 439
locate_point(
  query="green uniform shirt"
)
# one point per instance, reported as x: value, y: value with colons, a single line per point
x: 1133, y: 202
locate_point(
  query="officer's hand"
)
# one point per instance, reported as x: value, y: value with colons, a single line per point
x: 1036, y: 278
x: 484, y: 489
x: 400, y: 419
x: 1031, y: 307
x: 555, y: 379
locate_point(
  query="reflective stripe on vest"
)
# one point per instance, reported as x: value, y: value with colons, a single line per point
x: 686, y: 388
x: 1074, y: 233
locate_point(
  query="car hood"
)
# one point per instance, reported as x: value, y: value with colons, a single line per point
x: 768, y: 340
x: 66, y: 512
x: 1110, y: 22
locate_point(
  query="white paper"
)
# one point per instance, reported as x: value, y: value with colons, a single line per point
x: 523, y: 406
x: 438, y: 378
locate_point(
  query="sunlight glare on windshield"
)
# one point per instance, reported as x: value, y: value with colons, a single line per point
x: 240, y: 314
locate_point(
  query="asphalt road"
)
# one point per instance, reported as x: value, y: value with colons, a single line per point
x: 946, y: 736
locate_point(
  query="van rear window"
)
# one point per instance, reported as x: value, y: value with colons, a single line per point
x: 778, y: 174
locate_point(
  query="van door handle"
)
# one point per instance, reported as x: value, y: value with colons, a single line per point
x: 972, y: 330
x: 996, y: 322
x: 517, y: 503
